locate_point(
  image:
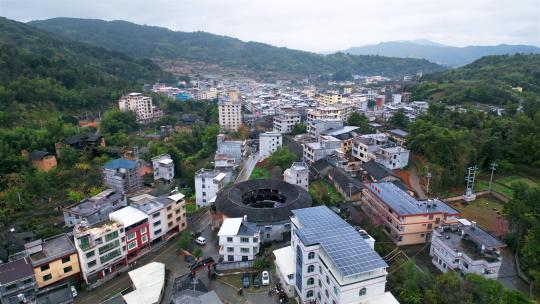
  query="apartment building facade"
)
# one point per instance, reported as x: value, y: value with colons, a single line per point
x: 94, y: 209
x: 230, y: 115
x: 122, y: 175
x: 163, y: 167
x: 238, y: 240
x: 297, y: 174
x: 207, y: 185
x: 315, y: 151
x: 377, y: 147
x: 136, y: 227
x: 101, y: 249
x: 269, y: 142
x: 466, y: 248
x: 333, y: 263
x: 137, y: 103
x: 54, y: 260
x: 405, y: 219
x: 285, y: 121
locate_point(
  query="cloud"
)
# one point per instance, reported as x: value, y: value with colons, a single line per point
x: 313, y: 25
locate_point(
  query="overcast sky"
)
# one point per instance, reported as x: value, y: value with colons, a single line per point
x: 314, y: 25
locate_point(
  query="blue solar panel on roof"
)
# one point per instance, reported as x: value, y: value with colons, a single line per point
x: 350, y: 253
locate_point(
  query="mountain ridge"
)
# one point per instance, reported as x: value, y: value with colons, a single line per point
x: 143, y: 41
x: 442, y: 54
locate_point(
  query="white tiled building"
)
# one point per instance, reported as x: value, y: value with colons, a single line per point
x: 136, y: 102
x: 163, y: 167
x: 285, y: 121
x: 207, y: 185
x: 377, y: 147
x: 333, y: 263
x: 297, y: 174
x: 466, y: 248
x: 238, y: 240
x: 230, y: 115
x: 269, y: 142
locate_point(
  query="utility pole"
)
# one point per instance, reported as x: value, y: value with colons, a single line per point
x: 469, y: 192
x: 493, y: 167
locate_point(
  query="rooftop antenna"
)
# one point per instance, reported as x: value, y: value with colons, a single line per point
x: 469, y: 192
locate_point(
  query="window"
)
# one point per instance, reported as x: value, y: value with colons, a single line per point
x: 109, y: 256
x: 326, y: 293
x: 44, y: 267
x: 132, y: 245
x: 309, y: 294
x: 255, y: 240
x: 155, y: 215
x: 245, y: 258
x: 108, y: 247
x: 177, y: 211
x: 335, y: 290
x: 11, y: 286
x: 311, y: 255
x: 65, y: 260
x: 244, y: 240
x: 47, y: 277
x: 91, y: 264
x: 68, y: 269
x: 143, y: 230
x: 363, y: 291
x: 157, y: 223
x: 327, y: 280
x: 157, y: 232
x: 131, y: 236
x: 230, y: 249
x: 310, y: 281
x: 310, y: 268
x: 244, y: 250
x: 84, y: 241
x: 169, y: 208
x: 111, y: 236
x: 178, y: 219
x: 169, y: 216
x: 144, y: 239
x: 230, y: 258
x: 229, y: 239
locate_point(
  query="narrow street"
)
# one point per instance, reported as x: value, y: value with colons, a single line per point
x: 415, y: 184
x: 248, y: 167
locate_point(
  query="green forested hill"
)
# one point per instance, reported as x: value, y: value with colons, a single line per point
x: 39, y: 68
x: 487, y: 80
x: 155, y: 42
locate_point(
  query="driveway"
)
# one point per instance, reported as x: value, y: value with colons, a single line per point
x: 415, y: 184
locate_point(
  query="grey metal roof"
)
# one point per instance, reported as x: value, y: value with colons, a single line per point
x: 481, y: 237
x: 404, y: 204
x: 230, y: 201
x: 376, y: 170
x: 16, y: 270
x: 53, y: 248
x: 346, y: 248
x: 398, y: 132
x: 38, y: 155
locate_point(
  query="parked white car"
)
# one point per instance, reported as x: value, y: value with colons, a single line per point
x: 265, y: 278
x: 200, y: 241
x: 73, y: 291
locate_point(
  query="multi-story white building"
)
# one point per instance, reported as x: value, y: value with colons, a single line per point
x: 377, y: 147
x: 269, y: 142
x: 238, y: 240
x: 230, y: 115
x: 207, y: 185
x: 322, y: 113
x: 101, y: 249
x: 163, y: 166
x: 285, y: 121
x: 326, y: 146
x: 466, y: 248
x: 297, y: 174
x: 334, y: 263
x: 331, y: 98
x: 136, y: 102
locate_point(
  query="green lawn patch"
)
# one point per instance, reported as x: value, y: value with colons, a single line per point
x: 483, y: 210
x: 259, y: 172
x: 191, y: 207
x: 509, y: 180
x: 324, y: 193
x: 483, y: 185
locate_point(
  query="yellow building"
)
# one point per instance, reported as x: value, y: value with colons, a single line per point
x: 331, y: 98
x: 54, y: 259
x: 404, y: 219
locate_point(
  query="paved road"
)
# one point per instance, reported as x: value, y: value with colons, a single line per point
x: 415, y: 184
x: 248, y: 167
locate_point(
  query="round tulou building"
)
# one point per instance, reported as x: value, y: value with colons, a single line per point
x: 266, y: 203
